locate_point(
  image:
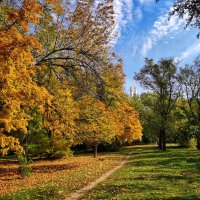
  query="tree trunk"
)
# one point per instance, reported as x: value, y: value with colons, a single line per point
x: 198, y: 143
x: 164, y: 140
x: 160, y: 141
x: 95, y: 150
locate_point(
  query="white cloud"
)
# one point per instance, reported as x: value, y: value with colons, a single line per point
x: 129, y: 7
x: 147, y: 46
x: 163, y: 27
x: 191, y: 50
x: 123, y: 16
x: 138, y: 14
x: 146, y: 1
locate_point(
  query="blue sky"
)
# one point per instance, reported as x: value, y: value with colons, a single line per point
x: 145, y: 31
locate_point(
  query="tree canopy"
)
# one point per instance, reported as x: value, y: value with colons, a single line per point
x: 188, y: 9
x: 60, y: 81
x: 161, y: 79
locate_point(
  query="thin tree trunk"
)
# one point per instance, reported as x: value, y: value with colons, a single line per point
x: 95, y: 150
x: 198, y: 143
x: 160, y: 142
x: 164, y: 140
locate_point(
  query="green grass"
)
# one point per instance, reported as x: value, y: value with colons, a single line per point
x: 45, y: 193
x: 151, y: 174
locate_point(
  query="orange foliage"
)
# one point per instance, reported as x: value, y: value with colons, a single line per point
x: 19, y: 92
x: 87, y: 30
x: 95, y: 122
x: 129, y: 125
x: 60, y: 113
x: 99, y: 123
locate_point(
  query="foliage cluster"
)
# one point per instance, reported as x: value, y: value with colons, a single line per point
x: 60, y: 82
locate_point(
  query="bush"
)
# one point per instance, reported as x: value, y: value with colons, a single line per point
x: 193, y: 143
x: 198, y: 141
x: 62, y: 154
x: 183, y: 138
x: 38, y: 144
x: 187, y: 141
x: 24, y: 166
x: 60, y: 148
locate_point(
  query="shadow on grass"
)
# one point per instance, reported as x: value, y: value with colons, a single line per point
x: 48, y: 193
x: 152, y: 174
x: 130, y: 192
x: 8, y: 173
x: 188, y: 197
x: 172, y: 159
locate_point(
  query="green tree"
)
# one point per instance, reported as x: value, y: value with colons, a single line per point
x: 190, y: 79
x: 181, y: 123
x: 161, y: 79
x: 144, y: 104
x: 189, y: 9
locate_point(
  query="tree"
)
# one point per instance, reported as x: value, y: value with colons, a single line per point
x: 190, y: 79
x: 95, y: 123
x: 129, y: 127
x: 56, y: 58
x: 161, y: 79
x: 189, y: 9
x: 60, y: 113
x: 19, y: 92
x: 181, y: 123
x: 145, y: 106
x: 77, y: 39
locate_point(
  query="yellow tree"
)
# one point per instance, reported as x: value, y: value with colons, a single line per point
x: 18, y: 91
x: 77, y: 40
x: 113, y: 79
x: 18, y: 46
x: 60, y: 113
x: 95, y: 122
x: 130, y: 127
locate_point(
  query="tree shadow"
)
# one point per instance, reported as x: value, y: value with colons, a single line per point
x: 11, y: 173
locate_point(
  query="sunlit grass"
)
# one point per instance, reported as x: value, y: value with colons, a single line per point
x: 151, y: 174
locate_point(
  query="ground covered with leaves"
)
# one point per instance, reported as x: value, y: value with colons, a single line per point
x: 53, y: 179
x: 152, y: 174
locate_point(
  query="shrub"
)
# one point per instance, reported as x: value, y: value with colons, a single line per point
x: 24, y: 168
x: 62, y: 154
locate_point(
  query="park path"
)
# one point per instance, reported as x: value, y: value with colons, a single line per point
x: 79, y: 193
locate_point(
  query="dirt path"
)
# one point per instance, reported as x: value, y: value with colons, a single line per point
x: 79, y: 193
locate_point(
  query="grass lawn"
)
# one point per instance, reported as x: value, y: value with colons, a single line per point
x: 151, y: 174
x: 53, y: 179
